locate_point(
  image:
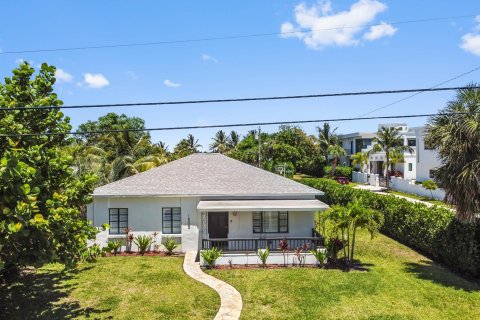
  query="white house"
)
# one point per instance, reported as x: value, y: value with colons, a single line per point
x: 362, y: 142
x: 206, y: 200
x: 427, y: 159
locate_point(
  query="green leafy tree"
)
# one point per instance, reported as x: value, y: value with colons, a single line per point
x: 335, y: 151
x: 185, y: 147
x: 360, y: 159
x: 457, y: 141
x: 40, y: 197
x: 326, y: 138
x: 348, y: 219
x: 233, y: 139
x: 220, y: 143
x: 388, y: 140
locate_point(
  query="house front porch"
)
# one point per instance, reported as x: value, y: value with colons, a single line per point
x: 244, y: 226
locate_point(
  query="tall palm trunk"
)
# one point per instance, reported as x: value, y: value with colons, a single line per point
x: 387, y: 176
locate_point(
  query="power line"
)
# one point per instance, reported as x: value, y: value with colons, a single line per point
x: 420, y: 92
x: 159, y: 103
x: 229, y: 125
x: 138, y: 44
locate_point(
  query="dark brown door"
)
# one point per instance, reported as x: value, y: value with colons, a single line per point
x: 218, y: 225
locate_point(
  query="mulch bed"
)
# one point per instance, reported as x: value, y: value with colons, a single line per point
x: 147, y: 254
x: 268, y: 266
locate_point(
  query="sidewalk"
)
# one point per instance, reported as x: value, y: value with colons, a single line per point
x: 381, y: 190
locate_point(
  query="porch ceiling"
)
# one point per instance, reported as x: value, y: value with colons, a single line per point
x: 261, y: 205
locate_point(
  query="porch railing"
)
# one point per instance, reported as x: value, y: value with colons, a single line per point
x: 273, y: 243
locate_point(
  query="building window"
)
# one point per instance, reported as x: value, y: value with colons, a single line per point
x: 412, y: 142
x: 118, y: 220
x: 431, y: 173
x: 270, y: 221
x: 171, y: 220
x: 410, y: 166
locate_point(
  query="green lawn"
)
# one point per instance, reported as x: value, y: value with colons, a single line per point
x: 400, y: 284
x: 114, y: 288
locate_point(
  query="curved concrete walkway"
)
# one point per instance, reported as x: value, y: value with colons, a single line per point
x: 231, y: 300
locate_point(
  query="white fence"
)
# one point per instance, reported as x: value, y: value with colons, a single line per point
x: 409, y: 186
x: 359, y: 177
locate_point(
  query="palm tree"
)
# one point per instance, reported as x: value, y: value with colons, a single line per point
x: 395, y: 158
x: 336, y: 151
x: 326, y: 138
x: 193, y: 143
x: 388, y: 140
x: 220, y: 143
x: 456, y: 138
x: 233, y: 139
x: 359, y: 158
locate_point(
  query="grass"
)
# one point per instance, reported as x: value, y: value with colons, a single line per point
x: 111, y: 288
x: 413, y: 196
x: 399, y: 284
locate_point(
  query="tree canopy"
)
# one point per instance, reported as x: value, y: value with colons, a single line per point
x: 457, y: 140
x: 40, y: 197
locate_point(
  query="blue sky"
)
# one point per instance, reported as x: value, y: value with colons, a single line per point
x: 385, y: 57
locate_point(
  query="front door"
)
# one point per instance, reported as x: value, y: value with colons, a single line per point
x: 218, y: 228
x: 218, y: 225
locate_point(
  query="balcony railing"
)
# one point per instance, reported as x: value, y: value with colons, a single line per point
x: 273, y: 243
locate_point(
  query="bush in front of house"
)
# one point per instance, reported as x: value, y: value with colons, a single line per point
x: 432, y: 230
x: 170, y: 245
x: 340, y: 171
x: 263, y: 256
x: 143, y: 243
x: 210, y: 256
x: 113, y: 247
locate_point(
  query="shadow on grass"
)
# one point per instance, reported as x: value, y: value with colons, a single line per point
x: 37, y: 296
x: 428, y: 270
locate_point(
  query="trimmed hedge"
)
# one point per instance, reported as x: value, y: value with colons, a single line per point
x: 340, y: 171
x: 432, y: 230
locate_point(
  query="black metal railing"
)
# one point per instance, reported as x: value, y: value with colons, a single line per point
x: 273, y: 243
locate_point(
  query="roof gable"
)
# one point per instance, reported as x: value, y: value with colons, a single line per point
x: 205, y: 174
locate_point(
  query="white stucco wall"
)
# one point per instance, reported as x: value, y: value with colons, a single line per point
x: 409, y: 186
x: 145, y: 217
x: 426, y: 159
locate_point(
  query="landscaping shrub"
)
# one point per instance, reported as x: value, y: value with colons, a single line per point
x: 431, y: 230
x: 170, y: 245
x: 210, y: 256
x: 143, y: 243
x: 263, y: 255
x: 114, y: 247
x: 340, y: 171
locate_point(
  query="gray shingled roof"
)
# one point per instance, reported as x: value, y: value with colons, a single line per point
x: 205, y: 174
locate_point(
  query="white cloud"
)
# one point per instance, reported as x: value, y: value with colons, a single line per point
x: 207, y: 57
x: 171, y: 84
x: 63, y: 76
x: 95, y: 81
x: 471, y: 41
x: 318, y: 26
x: 379, y: 31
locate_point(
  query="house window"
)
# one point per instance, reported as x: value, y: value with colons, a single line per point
x: 171, y: 220
x: 270, y: 221
x: 412, y: 142
x: 118, y: 220
x: 430, y: 173
x: 410, y: 167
